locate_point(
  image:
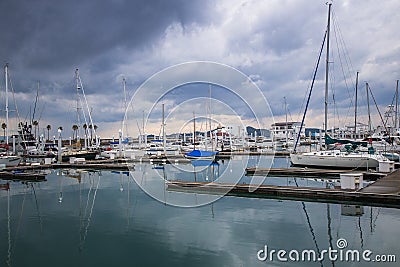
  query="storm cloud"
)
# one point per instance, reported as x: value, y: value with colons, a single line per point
x: 274, y: 42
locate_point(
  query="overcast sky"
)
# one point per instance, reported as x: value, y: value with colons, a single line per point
x: 275, y: 43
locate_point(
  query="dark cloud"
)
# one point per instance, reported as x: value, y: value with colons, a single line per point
x: 46, y: 40
x: 48, y: 35
x: 275, y: 41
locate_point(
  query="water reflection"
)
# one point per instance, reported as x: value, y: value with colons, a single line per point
x: 98, y: 224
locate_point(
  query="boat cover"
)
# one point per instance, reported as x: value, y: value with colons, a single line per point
x: 201, y: 153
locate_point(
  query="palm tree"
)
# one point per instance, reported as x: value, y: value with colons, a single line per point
x: 35, y: 123
x: 4, y: 126
x: 91, y: 131
x: 74, y: 129
x: 48, y: 131
x: 95, y: 129
x: 85, y: 127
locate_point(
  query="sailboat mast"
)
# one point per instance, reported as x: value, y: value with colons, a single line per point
x: 209, y: 113
x: 143, y: 131
x: 327, y: 69
x: 125, y: 108
x: 77, y: 100
x: 396, y: 108
x: 163, y: 128
x: 194, y: 132
x: 286, y: 121
x: 6, y: 74
x: 124, y: 86
x: 369, y: 112
x: 355, y: 109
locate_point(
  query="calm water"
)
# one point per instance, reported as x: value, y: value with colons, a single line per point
x: 105, y: 219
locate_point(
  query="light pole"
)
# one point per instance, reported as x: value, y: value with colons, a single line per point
x: 59, y: 145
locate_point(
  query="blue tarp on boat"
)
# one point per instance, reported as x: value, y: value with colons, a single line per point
x: 201, y: 153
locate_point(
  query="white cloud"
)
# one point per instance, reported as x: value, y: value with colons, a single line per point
x: 274, y: 42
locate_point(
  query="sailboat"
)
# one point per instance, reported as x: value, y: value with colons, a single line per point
x: 90, y: 150
x: 5, y: 158
x: 332, y: 158
x: 197, y: 154
x: 159, y: 147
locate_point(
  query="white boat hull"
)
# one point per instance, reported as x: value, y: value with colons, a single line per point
x: 212, y: 158
x: 128, y: 153
x: 157, y: 151
x: 336, y: 159
x: 10, y: 161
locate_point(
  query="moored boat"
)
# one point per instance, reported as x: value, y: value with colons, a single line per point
x: 337, y: 159
x: 10, y: 160
x: 5, y: 158
x: 87, y: 155
x: 201, y: 154
x: 334, y: 158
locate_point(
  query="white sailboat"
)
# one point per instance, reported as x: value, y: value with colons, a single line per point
x: 337, y: 159
x: 333, y: 158
x: 91, y: 145
x: 126, y: 152
x: 10, y: 160
x: 197, y: 154
x: 160, y: 147
x: 5, y: 158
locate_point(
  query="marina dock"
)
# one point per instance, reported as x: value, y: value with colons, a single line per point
x: 257, y: 153
x: 307, y: 172
x: 389, y: 184
x: 383, y: 193
x: 88, y: 165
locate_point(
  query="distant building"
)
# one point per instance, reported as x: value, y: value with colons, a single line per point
x: 348, y: 131
x: 235, y: 130
x: 251, y: 131
x: 291, y: 128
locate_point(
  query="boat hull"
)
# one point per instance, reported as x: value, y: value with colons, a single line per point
x: 10, y: 161
x: 201, y: 154
x: 128, y: 153
x: 86, y: 155
x: 349, y: 161
x: 207, y: 158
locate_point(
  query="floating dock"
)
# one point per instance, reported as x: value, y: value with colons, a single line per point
x: 389, y: 184
x: 383, y: 194
x: 257, y: 153
x: 307, y: 172
x: 88, y: 165
x: 94, y: 166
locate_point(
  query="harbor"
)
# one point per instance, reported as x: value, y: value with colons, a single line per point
x: 90, y: 196
x: 199, y: 133
x: 382, y: 188
x: 383, y: 193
